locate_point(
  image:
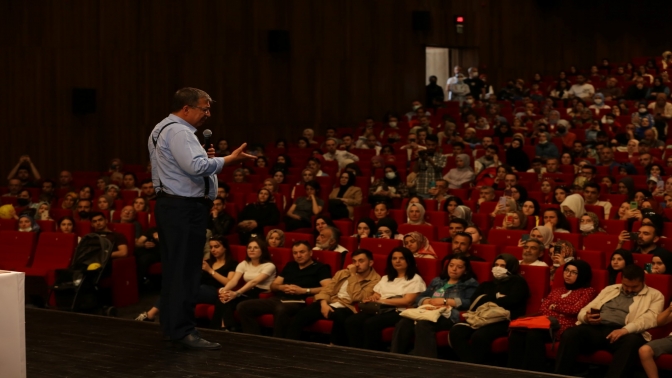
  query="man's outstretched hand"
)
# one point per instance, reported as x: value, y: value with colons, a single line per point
x: 239, y: 155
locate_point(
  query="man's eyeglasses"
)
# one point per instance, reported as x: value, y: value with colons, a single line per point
x: 205, y: 110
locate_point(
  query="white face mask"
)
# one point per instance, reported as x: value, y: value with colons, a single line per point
x: 393, y: 124
x: 587, y: 227
x: 390, y: 175
x: 543, y: 141
x: 499, y: 272
x: 25, y: 229
x: 470, y: 101
x: 415, y: 107
x: 597, y: 101
x: 610, y: 121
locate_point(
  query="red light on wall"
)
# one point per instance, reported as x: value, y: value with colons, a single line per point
x: 459, y: 19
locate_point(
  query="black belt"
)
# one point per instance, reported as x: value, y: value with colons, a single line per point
x: 205, y: 201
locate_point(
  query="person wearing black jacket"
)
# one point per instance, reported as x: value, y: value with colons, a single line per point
x: 220, y: 222
x: 508, y: 290
x: 256, y: 216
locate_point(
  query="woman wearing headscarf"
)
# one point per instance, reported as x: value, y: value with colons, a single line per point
x: 502, y: 132
x: 619, y: 260
x: 598, y: 103
x: 626, y: 186
x: 508, y: 290
x: 346, y: 194
x: 462, y: 174
x: 365, y: 228
x: 387, y: 229
x: 28, y: 224
x: 415, y: 214
x: 527, y: 346
x: 541, y: 233
x: 419, y: 245
x: 516, y: 156
x: 661, y: 263
x: 573, y: 206
x: 589, y: 224
x: 462, y: 212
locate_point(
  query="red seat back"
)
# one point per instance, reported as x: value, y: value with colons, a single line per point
x: 128, y: 230
x: 487, y: 252
x: 379, y: 246
x: 428, y: 269
x: 594, y: 258
x: 516, y: 251
x: 54, y: 250
x: 575, y: 239
x: 16, y: 249
x: 504, y: 238
x: 239, y: 252
x: 429, y: 232
x: 539, y: 281
x: 482, y: 270
x: 291, y: 237
x: 280, y: 257
x: 9, y: 224
x: 47, y: 225
x: 600, y: 242
x: 442, y: 249
x: 437, y: 218
x: 333, y: 259
x: 613, y: 226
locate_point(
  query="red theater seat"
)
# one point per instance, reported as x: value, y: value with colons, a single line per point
x: 54, y: 251
x: 333, y: 259
x: 379, y: 246
x: 16, y: 249
x: 429, y: 232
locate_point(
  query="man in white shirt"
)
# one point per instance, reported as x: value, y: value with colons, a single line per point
x: 457, y: 70
x: 342, y: 157
x: 582, y: 89
x: 591, y: 193
x: 328, y: 240
x: 532, y: 251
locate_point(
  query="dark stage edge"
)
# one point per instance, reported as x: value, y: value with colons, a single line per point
x: 61, y: 344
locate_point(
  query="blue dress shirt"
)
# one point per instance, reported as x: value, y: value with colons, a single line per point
x: 180, y: 162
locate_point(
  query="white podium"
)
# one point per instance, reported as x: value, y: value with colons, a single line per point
x: 12, y: 324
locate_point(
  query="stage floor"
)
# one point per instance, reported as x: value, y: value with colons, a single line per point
x: 62, y: 344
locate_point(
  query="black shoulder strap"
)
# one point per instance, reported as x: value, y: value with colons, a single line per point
x: 157, y: 135
x: 155, y: 142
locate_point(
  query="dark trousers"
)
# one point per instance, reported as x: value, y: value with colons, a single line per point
x: 224, y: 312
x: 474, y: 345
x: 365, y: 330
x: 312, y: 313
x: 206, y: 294
x: 527, y: 349
x: 424, y: 333
x: 292, y: 224
x: 587, y: 339
x: 144, y: 258
x: 182, y: 224
x: 282, y: 314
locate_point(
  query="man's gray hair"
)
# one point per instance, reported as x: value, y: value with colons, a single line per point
x: 335, y: 235
x: 539, y: 243
x: 188, y: 96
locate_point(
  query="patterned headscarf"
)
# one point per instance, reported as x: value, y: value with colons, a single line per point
x: 424, y: 248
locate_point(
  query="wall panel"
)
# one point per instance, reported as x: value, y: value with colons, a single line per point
x: 349, y: 59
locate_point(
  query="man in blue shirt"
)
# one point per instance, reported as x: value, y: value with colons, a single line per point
x: 184, y: 177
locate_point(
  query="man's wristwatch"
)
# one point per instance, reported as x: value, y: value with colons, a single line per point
x: 307, y: 291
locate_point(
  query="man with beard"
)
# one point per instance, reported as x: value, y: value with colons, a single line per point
x: 490, y: 159
x: 429, y: 167
x: 647, y: 238
x: 462, y: 244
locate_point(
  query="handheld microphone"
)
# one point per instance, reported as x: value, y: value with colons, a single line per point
x: 206, y: 135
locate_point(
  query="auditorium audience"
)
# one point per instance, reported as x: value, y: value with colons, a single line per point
x: 256, y: 216
x: 396, y: 291
x: 257, y: 272
x: 508, y: 290
x: 344, y: 198
x: 527, y: 349
x: 305, y: 207
x: 616, y: 321
x: 337, y: 301
x: 298, y: 280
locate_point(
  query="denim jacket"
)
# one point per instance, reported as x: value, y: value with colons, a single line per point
x: 460, y: 292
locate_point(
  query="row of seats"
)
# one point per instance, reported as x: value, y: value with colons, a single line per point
x: 40, y: 255
x: 538, y: 279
